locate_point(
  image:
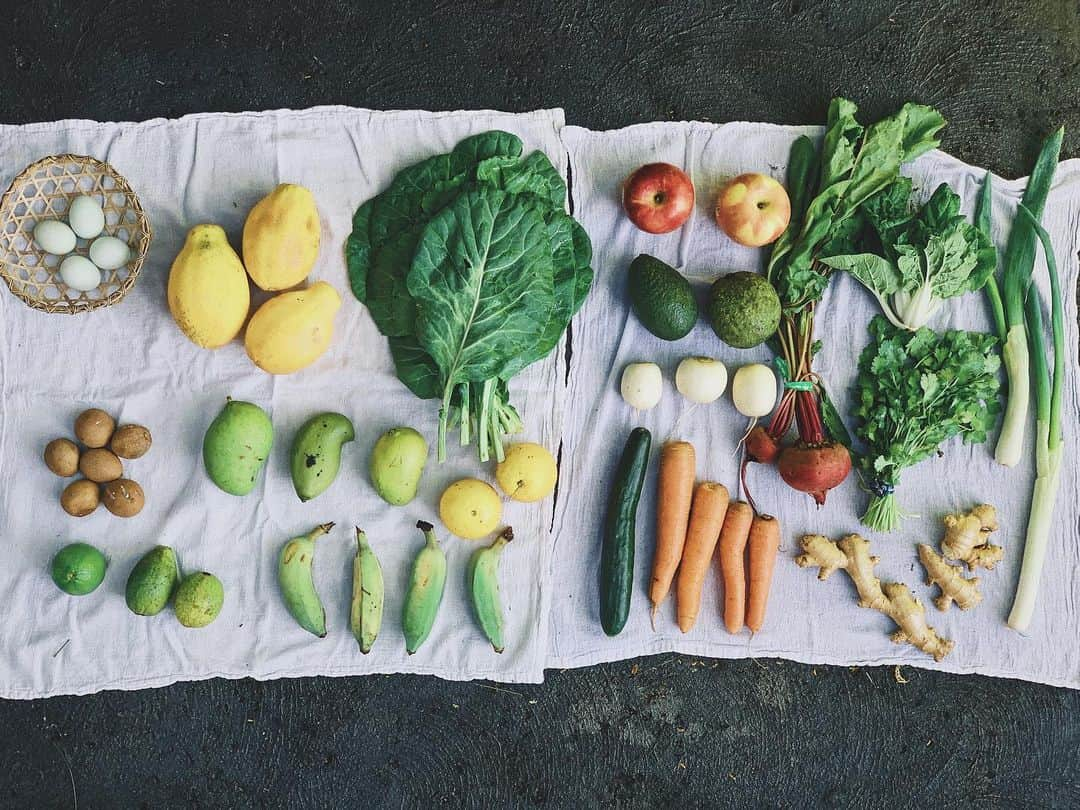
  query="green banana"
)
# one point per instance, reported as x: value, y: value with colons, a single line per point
x: 316, y: 453
x: 294, y: 577
x: 365, y: 614
x: 483, y: 576
x: 425, y: 590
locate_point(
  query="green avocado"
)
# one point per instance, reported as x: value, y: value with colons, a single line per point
x: 199, y: 598
x: 152, y: 581
x: 236, y: 446
x: 662, y: 298
x: 744, y: 309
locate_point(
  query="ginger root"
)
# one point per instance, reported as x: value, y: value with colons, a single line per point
x: 954, y: 586
x: 895, y: 600
x: 967, y: 537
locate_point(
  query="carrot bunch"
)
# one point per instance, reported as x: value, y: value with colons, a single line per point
x: 692, y: 520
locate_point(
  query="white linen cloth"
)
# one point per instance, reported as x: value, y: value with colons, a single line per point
x: 131, y: 360
x: 808, y: 621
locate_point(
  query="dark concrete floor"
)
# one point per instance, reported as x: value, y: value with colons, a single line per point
x: 640, y: 733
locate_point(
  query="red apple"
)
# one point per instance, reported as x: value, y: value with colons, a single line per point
x: 753, y: 209
x: 658, y: 197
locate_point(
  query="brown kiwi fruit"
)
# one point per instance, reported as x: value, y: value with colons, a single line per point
x: 123, y: 497
x: 80, y: 498
x: 94, y: 427
x: 100, y: 465
x: 130, y: 441
x: 62, y: 457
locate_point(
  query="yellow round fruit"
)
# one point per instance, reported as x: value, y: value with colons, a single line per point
x: 281, y: 238
x: 293, y: 329
x: 528, y: 473
x: 208, y: 289
x: 471, y: 509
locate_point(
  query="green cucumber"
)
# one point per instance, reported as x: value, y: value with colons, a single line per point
x: 620, y: 530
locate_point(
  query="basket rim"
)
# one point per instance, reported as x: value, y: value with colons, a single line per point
x: 134, y: 265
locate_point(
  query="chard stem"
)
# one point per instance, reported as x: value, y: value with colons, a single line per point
x: 466, y: 419
x: 444, y: 417
x: 483, y: 420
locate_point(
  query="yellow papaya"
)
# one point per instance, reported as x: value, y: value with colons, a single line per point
x: 292, y: 329
x: 281, y: 238
x: 208, y: 289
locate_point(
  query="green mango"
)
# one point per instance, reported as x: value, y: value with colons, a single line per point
x: 236, y: 446
x: 152, y: 581
x: 199, y: 598
x: 397, y: 462
x: 316, y: 453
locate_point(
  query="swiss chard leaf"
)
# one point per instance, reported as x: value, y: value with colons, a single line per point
x: 482, y: 281
x: 533, y: 174
x: 388, y: 298
x: 358, y: 251
x: 415, y: 367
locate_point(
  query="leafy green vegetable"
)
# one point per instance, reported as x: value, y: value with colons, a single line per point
x: 993, y: 292
x: 1049, y: 447
x: 856, y: 164
x: 1019, y: 261
x: 928, y: 256
x: 828, y: 192
x: 914, y: 391
x: 471, y: 267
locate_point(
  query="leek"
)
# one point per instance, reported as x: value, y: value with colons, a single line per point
x: 1016, y: 281
x: 1048, y: 444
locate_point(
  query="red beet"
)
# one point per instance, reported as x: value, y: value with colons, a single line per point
x: 814, y: 468
x: 761, y: 447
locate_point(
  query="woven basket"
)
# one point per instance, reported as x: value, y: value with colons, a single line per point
x: 43, y: 191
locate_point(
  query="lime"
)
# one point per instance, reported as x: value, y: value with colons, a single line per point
x: 78, y: 569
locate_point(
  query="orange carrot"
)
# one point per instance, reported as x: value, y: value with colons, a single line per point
x: 733, y: 539
x: 706, y: 520
x: 675, y: 488
x: 764, y: 542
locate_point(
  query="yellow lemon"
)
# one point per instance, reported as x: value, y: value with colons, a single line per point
x: 528, y: 472
x: 471, y: 509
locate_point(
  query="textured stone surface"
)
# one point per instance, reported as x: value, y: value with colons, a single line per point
x: 634, y: 734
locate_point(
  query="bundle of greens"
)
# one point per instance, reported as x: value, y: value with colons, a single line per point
x: 828, y: 191
x: 914, y: 391
x: 472, y: 268
x: 926, y: 256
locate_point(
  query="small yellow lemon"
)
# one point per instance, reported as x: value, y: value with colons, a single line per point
x: 471, y: 509
x: 528, y: 472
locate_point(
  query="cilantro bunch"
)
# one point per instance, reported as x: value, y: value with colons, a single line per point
x: 914, y: 391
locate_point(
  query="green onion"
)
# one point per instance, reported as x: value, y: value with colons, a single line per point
x: 1016, y: 280
x: 993, y: 292
x: 1048, y: 444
